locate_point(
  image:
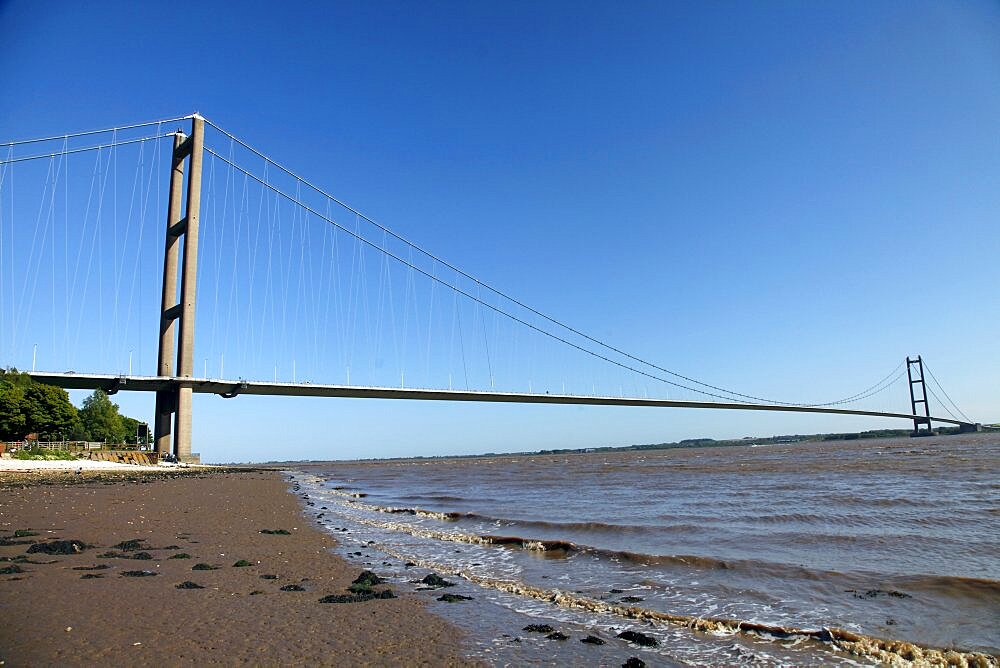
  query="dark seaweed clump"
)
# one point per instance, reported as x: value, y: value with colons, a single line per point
x: 435, y: 580
x: 453, y: 598
x: 242, y: 563
x: 180, y: 555
x: 293, y: 587
x: 204, y: 567
x: 592, y: 640
x: 875, y: 593
x: 138, y: 574
x: 638, y: 638
x: 276, y: 532
x: 361, y: 590
x: 357, y: 598
x: 59, y: 547
x: 130, y: 545
x: 364, y: 582
x: 538, y: 628
x: 187, y: 584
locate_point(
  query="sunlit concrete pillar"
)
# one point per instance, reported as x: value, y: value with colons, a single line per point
x: 166, y: 400
x: 182, y: 425
x: 189, y: 270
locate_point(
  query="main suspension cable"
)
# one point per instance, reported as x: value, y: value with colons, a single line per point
x: 82, y: 149
x: 85, y: 133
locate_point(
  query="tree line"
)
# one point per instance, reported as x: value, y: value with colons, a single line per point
x: 27, y: 407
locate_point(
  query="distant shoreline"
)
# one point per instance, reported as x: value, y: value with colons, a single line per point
x: 746, y: 441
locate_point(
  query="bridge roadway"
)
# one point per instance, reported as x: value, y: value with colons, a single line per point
x: 229, y: 388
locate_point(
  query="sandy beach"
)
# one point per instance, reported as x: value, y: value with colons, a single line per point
x: 134, y: 536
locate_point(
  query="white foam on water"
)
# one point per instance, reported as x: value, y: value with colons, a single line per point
x: 500, y: 612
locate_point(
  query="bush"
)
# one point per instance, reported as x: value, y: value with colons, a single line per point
x: 38, y: 453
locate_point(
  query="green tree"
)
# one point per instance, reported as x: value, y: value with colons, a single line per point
x: 12, y: 422
x: 49, y: 413
x: 101, y: 420
x: 27, y: 407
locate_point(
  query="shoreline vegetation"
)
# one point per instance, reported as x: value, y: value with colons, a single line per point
x: 32, y: 412
x: 201, y: 565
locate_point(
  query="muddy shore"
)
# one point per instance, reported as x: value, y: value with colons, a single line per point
x: 130, y: 539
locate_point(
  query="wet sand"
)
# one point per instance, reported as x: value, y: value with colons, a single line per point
x: 54, y: 612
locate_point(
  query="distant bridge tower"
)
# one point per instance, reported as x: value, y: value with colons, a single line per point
x: 182, y: 221
x: 915, y: 373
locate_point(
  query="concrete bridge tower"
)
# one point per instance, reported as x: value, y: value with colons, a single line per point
x: 177, y: 311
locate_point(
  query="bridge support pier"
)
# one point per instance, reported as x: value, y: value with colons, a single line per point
x: 176, y: 402
x: 182, y: 437
x: 166, y: 402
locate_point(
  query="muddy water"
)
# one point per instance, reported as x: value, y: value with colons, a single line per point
x: 890, y: 539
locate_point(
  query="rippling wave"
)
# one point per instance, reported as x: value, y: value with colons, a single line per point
x: 828, y: 542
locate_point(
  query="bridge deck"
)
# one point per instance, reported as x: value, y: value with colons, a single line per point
x: 230, y: 388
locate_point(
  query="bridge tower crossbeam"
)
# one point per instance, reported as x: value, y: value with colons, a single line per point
x: 174, y: 403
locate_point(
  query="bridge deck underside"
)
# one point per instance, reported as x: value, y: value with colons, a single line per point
x: 229, y: 388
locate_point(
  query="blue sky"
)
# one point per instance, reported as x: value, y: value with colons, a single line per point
x: 781, y: 198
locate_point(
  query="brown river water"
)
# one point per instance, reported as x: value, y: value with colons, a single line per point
x: 781, y: 548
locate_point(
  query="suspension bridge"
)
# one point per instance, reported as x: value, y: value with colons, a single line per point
x: 297, y: 292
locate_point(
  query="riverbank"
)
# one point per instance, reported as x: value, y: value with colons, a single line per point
x: 133, y: 567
